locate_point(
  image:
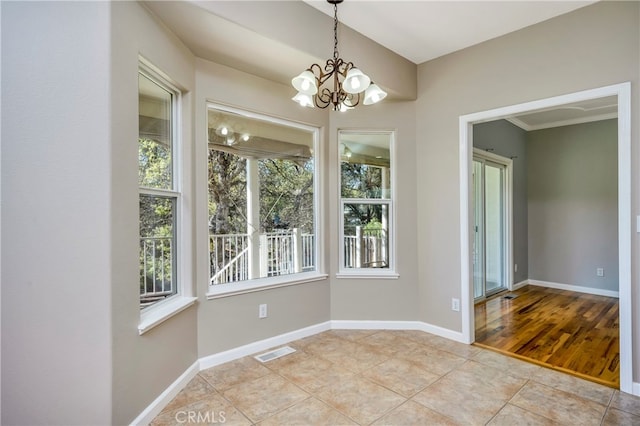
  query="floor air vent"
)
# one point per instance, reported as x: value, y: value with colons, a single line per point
x: 510, y: 296
x: 276, y: 353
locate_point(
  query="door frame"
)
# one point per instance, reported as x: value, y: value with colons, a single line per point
x: 508, y: 210
x: 623, y: 93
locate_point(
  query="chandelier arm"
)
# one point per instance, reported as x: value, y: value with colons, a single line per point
x: 329, y: 70
x: 352, y: 100
x: 346, y: 66
x: 323, y: 98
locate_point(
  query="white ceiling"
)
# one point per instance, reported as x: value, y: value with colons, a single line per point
x: 421, y: 30
x: 418, y: 30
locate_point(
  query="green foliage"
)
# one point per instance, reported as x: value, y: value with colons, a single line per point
x: 360, y: 181
x: 156, y: 217
x: 373, y: 228
x: 154, y: 164
x: 227, y: 193
x: 286, y: 195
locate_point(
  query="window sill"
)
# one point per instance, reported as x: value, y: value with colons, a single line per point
x: 158, y: 314
x: 375, y: 275
x: 232, y: 289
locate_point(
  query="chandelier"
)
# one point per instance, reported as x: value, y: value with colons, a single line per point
x: 345, y: 83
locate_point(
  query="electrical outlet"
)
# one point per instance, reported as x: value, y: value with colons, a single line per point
x: 600, y: 272
x: 455, y: 304
x: 515, y: 268
x: 262, y: 311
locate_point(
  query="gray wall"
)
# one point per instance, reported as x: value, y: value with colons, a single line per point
x: 509, y: 141
x: 573, y: 204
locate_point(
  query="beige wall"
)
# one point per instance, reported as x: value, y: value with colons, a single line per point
x: 368, y: 298
x: 143, y: 366
x: 82, y: 362
x: 56, y: 222
x: 230, y: 322
x: 273, y: 20
x: 592, y: 47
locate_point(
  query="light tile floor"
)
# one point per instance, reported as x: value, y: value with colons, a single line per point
x: 363, y: 377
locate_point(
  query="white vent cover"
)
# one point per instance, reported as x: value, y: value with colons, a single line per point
x: 276, y: 353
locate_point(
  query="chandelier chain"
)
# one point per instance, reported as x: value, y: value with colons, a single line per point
x: 345, y: 84
x: 335, y: 31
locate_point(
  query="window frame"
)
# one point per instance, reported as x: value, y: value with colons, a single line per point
x: 368, y: 273
x: 215, y: 291
x: 162, y: 310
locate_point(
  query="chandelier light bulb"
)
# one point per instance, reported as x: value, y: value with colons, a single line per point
x: 305, y: 83
x: 355, y: 81
x: 373, y: 94
x: 303, y: 99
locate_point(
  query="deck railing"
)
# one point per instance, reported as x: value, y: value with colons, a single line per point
x: 156, y: 269
x: 366, y: 248
x: 280, y: 253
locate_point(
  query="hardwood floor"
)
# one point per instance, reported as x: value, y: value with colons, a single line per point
x: 568, y: 331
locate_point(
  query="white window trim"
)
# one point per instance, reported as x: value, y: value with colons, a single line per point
x: 369, y: 273
x: 161, y: 311
x: 242, y: 287
x: 216, y: 291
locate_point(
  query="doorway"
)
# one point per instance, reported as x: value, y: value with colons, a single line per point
x: 622, y: 94
x: 491, y: 237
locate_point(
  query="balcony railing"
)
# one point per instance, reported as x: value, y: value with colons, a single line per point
x: 279, y: 253
x: 156, y: 269
x: 287, y: 252
x: 366, y: 248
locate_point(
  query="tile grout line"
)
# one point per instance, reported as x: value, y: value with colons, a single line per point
x: 382, y: 352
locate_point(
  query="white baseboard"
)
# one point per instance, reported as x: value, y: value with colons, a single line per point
x: 252, y: 348
x: 397, y: 325
x: 520, y: 284
x: 442, y: 332
x: 636, y: 389
x: 579, y: 289
x: 374, y: 325
x: 165, y: 397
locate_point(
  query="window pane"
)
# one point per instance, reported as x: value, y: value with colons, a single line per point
x: 157, y: 249
x: 366, y: 235
x: 261, y: 199
x: 155, y: 135
x: 365, y: 165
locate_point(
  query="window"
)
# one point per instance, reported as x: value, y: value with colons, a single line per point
x: 159, y: 197
x: 262, y: 191
x: 366, y: 203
